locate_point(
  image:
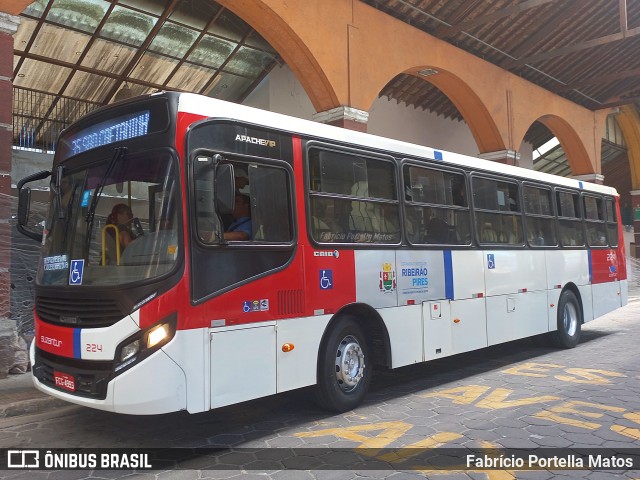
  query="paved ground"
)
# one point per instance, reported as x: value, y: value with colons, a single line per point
x: 522, y: 395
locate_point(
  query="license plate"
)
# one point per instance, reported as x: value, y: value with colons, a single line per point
x: 64, y: 380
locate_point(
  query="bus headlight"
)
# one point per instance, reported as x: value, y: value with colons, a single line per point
x: 158, y: 334
x: 142, y: 344
x: 129, y: 350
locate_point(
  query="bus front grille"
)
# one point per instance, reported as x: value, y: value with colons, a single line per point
x: 79, y: 312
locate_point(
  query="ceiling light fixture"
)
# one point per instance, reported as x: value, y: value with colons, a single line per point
x: 427, y: 72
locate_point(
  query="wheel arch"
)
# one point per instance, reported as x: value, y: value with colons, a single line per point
x: 371, y: 323
x: 576, y: 291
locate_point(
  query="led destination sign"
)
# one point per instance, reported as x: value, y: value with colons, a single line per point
x: 110, y: 131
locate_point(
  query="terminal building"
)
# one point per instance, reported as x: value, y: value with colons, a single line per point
x: 546, y: 85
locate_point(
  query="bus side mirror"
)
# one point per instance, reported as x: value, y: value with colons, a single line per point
x: 224, y: 189
x: 24, y: 204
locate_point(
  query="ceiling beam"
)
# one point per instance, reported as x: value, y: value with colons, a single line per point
x: 492, y: 17
x: 596, y: 42
x: 82, y: 68
x: 599, y: 79
x: 34, y: 35
x: 623, y: 15
x: 619, y: 102
x: 458, y: 15
x: 568, y: 11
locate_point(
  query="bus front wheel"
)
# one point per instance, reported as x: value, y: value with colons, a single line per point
x: 344, y: 367
x: 569, y: 321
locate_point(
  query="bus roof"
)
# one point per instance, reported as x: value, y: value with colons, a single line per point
x: 214, y: 108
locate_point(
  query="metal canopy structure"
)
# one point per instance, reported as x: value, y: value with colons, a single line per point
x: 71, y: 56
x: 583, y: 50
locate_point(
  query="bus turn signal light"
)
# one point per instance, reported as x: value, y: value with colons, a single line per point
x: 287, y: 347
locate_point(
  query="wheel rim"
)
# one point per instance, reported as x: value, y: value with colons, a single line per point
x: 349, y: 363
x: 570, y: 319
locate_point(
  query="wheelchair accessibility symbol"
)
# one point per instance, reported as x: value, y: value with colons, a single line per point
x: 76, y: 271
x: 491, y: 261
x: 326, y: 279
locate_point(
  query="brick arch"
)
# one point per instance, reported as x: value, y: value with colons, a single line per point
x: 291, y: 47
x: 574, y: 148
x: 474, y: 112
x: 629, y: 121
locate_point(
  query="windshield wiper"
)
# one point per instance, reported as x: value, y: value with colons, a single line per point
x: 58, y: 189
x: 118, y: 154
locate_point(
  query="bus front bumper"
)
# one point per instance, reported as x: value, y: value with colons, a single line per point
x: 154, y: 386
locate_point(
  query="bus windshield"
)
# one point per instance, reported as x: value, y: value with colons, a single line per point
x: 113, y: 222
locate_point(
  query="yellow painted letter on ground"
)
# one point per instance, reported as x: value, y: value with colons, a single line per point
x: 498, y: 399
x: 460, y: 395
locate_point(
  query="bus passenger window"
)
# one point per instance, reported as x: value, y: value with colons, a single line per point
x: 352, y: 199
x: 612, y: 223
x: 594, y: 221
x: 498, y: 211
x: 540, y: 222
x: 437, y: 211
x: 571, y: 230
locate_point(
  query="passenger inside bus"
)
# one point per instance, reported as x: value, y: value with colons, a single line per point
x: 240, y: 229
x: 122, y: 217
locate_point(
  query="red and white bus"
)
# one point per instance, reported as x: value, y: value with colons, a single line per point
x: 357, y: 252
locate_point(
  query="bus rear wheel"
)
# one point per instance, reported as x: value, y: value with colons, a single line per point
x: 569, y: 321
x: 344, y: 367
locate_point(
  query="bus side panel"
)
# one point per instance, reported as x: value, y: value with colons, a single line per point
x: 624, y: 292
x: 516, y: 299
x: 376, y: 278
x: 421, y: 276
x: 586, y: 294
x: 243, y: 364
x: 606, y: 268
x: 514, y: 271
x: 566, y: 266
x: 452, y: 327
x: 404, y: 325
x: 190, y: 350
x: 298, y: 367
x: 514, y: 316
x: 468, y: 274
x: 606, y: 298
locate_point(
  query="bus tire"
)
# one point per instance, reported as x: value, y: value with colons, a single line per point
x: 344, y: 367
x: 569, y: 321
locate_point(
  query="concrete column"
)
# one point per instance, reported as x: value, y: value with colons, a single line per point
x: 345, y: 117
x: 634, y: 249
x: 8, y: 332
x: 508, y: 157
x: 591, y: 177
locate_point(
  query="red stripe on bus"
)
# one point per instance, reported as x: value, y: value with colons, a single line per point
x: 54, y: 339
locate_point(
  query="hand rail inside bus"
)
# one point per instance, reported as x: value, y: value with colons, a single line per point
x: 104, y: 243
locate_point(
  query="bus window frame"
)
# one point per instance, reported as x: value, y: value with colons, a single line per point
x: 553, y: 216
x: 579, y: 220
x: 437, y: 166
x: 506, y: 179
x: 309, y: 194
x: 587, y: 221
x: 248, y: 159
x: 607, y: 199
